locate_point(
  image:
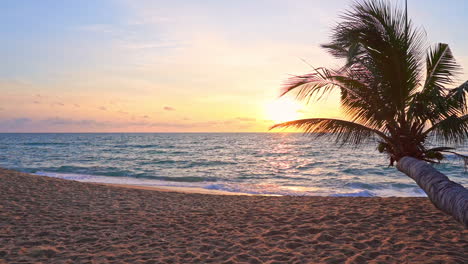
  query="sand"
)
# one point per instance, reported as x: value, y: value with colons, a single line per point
x: 57, y: 221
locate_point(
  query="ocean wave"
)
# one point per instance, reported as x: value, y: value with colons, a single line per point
x: 188, y: 182
x: 364, y: 193
x: 310, y: 165
x: 403, y: 185
x: 98, y: 170
x: 187, y: 179
x: 145, y: 146
x: 209, y: 163
x: 215, y: 148
x: 353, y: 171
x: 188, y: 164
x: 163, y: 162
x: 362, y: 185
x: 121, y: 176
x: 46, y: 144
x: 208, y: 184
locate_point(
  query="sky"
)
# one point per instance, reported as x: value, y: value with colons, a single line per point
x: 175, y: 66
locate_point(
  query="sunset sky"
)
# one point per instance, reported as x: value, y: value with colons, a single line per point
x: 174, y: 66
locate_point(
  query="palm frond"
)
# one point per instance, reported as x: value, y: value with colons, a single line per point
x: 344, y: 131
x: 317, y: 84
x: 430, y: 106
x: 452, y: 129
x: 373, y: 37
x: 435, y: 102
x: 441, y: 67
x: 462, y: 157
x: 441, y: 149
x: 458, y: 98
x: 360, y: 102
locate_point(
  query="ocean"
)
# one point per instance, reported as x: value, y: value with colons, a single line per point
x: 253, y: 163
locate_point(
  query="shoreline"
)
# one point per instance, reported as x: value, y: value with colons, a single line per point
x: 186, y: 190
x: 54, y: 220
x: 206, y: 187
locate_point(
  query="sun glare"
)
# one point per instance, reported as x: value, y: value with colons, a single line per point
x: 282, y: 110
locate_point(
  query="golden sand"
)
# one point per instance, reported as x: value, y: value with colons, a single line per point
x: 57, y: 221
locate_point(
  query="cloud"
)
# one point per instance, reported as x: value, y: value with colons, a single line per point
x: 14, y: 83
x: 246, y: 119
x: 168, y: 108
x: 51, y: 124
x: 21, y: 120
x: 150, y: 45
x: 12, y: 124
x: 55, y: 124
x: 63, y: 121
x: 102, y: 108
x: 61, y: 124
x: 97, y: 28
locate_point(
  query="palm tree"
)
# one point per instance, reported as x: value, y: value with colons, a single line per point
x: 391, y: 91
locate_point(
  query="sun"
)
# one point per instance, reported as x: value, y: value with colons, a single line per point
x: 282, y: 110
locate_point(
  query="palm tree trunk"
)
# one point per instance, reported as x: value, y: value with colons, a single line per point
x: 448, y: 196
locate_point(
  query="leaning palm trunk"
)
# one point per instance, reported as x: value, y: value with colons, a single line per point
x: 448, y: 196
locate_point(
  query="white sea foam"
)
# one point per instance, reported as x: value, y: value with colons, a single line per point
x: 260, y: 189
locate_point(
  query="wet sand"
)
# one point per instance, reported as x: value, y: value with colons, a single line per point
x: 57, y: 221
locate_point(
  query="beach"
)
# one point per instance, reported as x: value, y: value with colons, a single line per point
x: 49, y: 220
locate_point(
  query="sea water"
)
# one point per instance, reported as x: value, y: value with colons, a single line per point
x: 254, y: 163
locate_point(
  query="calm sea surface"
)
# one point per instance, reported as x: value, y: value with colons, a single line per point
x: 257, y: 163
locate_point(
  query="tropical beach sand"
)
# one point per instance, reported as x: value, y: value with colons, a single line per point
x: 57, y: 221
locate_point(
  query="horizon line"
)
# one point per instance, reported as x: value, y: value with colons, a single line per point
x: 167, y: 132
